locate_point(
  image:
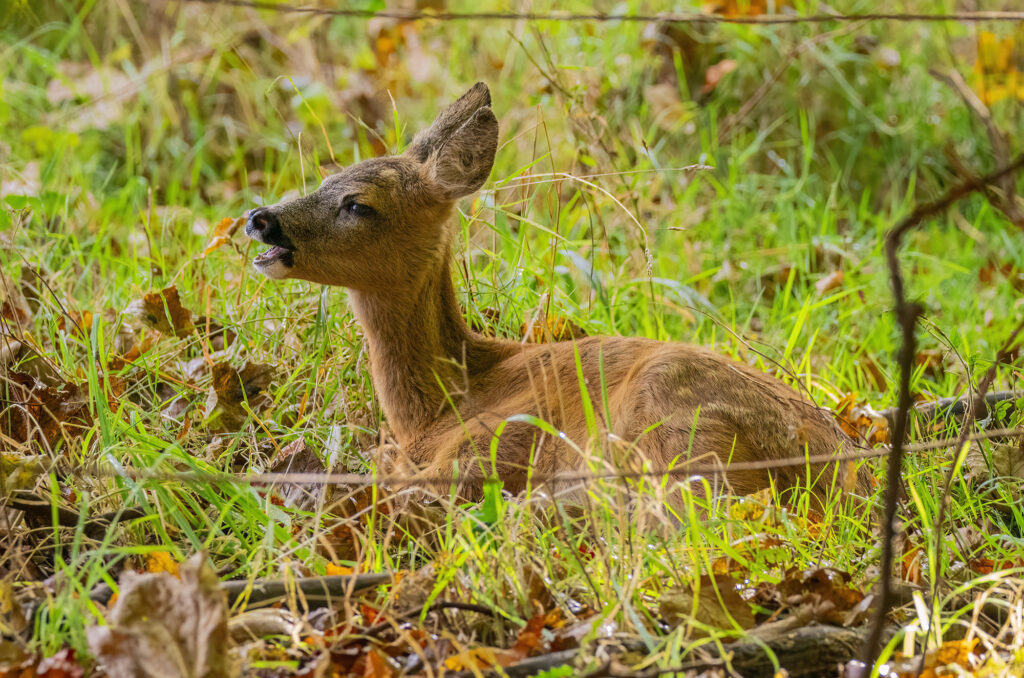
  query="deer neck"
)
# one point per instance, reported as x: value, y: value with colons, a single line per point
x: 423, y: 356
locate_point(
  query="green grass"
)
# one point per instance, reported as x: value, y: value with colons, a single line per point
x: 110, y: 191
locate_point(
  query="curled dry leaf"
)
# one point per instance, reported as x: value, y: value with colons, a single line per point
x: 222, y: 233
x: 21, y: 473
x: 295, y: 457
x: 35, y: 412
x: 232, y: 390
x: 1003, y: 465
x: 822, y: 595
x: 939, y: 661
x: 15, y: 308
x: 163, y: 626
x: 263, y: 622
x: 163, y: 310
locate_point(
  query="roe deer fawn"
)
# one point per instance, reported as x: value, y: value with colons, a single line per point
x: 381, y: 229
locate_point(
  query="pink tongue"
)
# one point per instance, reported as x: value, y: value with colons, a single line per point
x: 269, y: 254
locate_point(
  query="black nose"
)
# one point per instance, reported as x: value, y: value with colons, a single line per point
x: 263, y: 225
x: 262, y: 222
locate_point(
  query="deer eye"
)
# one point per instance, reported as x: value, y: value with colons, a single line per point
x: 358, y: 209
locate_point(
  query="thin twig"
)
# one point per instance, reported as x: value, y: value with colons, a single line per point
x: 736, y: 118
x: 906, y: 317
x: 1007, y: 201
x: 377, y: 629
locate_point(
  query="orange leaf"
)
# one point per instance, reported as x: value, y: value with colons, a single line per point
x: 377, y: 666
x: 529, y: 641
x: 222, y: 233
x: 911, y: 565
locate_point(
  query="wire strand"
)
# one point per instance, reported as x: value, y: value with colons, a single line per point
x: 664, y: 17
x: 684, y: 468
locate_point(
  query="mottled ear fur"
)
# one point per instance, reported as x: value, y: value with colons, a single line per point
x: 457, y: 151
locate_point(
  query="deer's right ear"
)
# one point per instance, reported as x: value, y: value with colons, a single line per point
x: 463, y: 161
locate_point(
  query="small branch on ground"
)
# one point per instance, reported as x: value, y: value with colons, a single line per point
x: 315, y: 591
x: 949, y: 408
x: 41, y: 509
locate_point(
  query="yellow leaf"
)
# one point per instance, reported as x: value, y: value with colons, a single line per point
x: 473, y: 659
x: 994, y: 55
x: 161, y: 561
x: 336, y: 570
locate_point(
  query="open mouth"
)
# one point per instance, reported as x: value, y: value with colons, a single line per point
x: 275, y: 254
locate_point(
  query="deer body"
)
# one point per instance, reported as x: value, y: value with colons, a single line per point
x: 380, y: 229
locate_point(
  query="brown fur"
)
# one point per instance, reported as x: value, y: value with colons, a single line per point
x: 446, y: 389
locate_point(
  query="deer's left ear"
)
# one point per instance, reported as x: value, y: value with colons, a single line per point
x: 461, y: 163
x: 448, y: 121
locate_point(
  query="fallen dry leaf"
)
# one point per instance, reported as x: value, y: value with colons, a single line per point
x: 21, y: 472
x: 232, y: 390
x: 997, y: 75
x: 162, y: 626
x: 35, y: 412
x: 718, y: 604
x: 62, y: 664
x: 862, y: 423
x: 822, y: 595
x: 829, y: 282
x: 668, y: 109
x: 295, y: 457
x: 932, y: 361
x: 163, y: 310
x: 911, y: 565
x: 938, y: 661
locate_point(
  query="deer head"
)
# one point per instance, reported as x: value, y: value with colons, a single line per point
x: 381, y: 223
